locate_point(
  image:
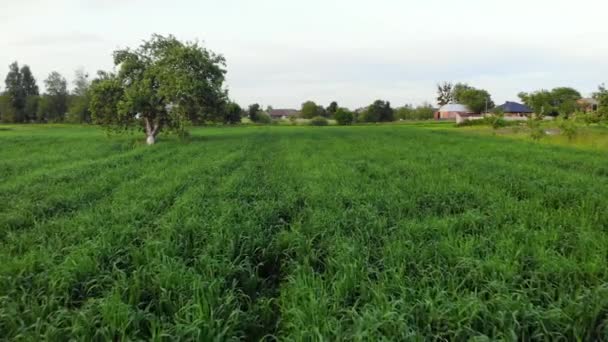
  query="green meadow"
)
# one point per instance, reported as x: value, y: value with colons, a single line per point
x: 387, y: 232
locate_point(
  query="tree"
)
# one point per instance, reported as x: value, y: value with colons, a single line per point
x: 566, y: 100
x: 478, y: 100
x: 232, y: 113
x: 602, y: 97
x: 311, y: 109
x: 22, y: 90
x: 78, y: 109
x: 558, y: 101
x: 343, y: 116
x: 379, y: 111
x: 444, y: 93
x: 56, y: 98
x: 15, y: 92
x: 106, y: 92
x: 166, y: 84
x: 254, y: 112
x: 332, y: 108
x: 28, y: 82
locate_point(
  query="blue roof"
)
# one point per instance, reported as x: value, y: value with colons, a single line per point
x: 514, y: 107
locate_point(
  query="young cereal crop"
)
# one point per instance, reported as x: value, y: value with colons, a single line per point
x: 300, y: 233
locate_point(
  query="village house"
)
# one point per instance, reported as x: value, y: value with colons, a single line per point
x: 588, y: 104
x: 278, y: 114
x: 452, y: 111
x: 514, y: 109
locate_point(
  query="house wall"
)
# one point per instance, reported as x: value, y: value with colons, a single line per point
x: 450, y: 115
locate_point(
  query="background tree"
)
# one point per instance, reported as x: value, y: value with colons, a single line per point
x: 78, y: 108
x: 310, y: 109
x: 379, y: 111
x: 22, y: 90
x: 16, y: 94
x: 421, y: 112
x: 54, y: 104
x: 168, y: 84
x: 444, y: 93
x: 602, y: 97
x: 232, y: 113
x: 29, y: 82
x: 565, y: 100
x: 332, y: 109
x: 254, y: 112
x: 343, y: 116
x: 558, y: 101
x: 478, y: 100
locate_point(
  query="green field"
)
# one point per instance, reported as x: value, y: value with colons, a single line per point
x: 300, y: 233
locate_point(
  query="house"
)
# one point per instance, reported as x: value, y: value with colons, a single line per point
x: 514, y: 109
x: 283, y: 113
x: 588, y: 104
x: 452, y: 111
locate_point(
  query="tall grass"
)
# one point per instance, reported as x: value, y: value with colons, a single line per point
x: 366, y: 233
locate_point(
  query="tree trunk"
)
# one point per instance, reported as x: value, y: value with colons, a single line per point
x: 151, y: 132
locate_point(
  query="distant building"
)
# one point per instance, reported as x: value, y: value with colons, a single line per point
x: 588, y: 104
x: 515, y: 109
x: 452, y: 111
x: 283, y: 113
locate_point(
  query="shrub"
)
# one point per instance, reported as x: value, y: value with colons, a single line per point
x: 536, y: 131
x: 263, y: 118
x: 343, y: 116
x: 319, y: 121
x: 567, y: 128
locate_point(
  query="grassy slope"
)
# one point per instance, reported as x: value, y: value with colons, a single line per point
x: 300, y: 232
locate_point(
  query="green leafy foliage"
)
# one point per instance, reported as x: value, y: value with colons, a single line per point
x: 408, y: 112
x: 21, y: 87
x: 379, y: 111
x: 319, y: 121
x: 310, y: 109
x: 375, y: 233
x: 232, y: 113
x: 253, y: 112
x: 567, y: 128
x: 344, y: 117
x: 477, y: 100
x: 166, y: 84
x: 555, y: 102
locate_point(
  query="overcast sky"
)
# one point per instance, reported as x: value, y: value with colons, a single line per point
x: 284, y: 52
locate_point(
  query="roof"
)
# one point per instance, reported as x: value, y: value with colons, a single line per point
x: 589, y: 101
x: 454, y: 107
x: 278, y: 113
x: 514, y: 107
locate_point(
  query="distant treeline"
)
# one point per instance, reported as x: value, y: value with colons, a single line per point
x: 23, y: 102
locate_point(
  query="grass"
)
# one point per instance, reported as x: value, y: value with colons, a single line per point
x: 393, y: 232
x: 594, y: 137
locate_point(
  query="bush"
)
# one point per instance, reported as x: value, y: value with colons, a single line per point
x: 263, y: 118
x: 319, y: 121
x: 587, y: 118
x: 568, y: 128
x: 344, y: 117
x: 424, y: 112
x: 536, y: 131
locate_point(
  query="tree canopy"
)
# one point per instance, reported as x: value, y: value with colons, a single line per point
x: 478, y: 100
x: 21, y: 87
x: 310, y: 110
x: 558, y: 101
x: 444, y: 93
x: 379, y: 111
x: 165, y: 85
